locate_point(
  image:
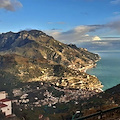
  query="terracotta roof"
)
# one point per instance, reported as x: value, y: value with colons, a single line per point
x: 2, y: 105
x: 4, y: 100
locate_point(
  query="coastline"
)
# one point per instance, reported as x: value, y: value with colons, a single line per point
x: 84, y: 69
x: 93, y: 66
x: 107, y: 69
x: 90, y: 66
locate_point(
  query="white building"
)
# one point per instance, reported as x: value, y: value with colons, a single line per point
x: 5, y: 104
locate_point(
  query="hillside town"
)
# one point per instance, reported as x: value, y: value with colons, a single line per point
x: 47, y: 94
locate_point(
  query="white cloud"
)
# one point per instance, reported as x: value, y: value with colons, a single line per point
x: 88, y: 36
x: 84, y: 36
x: 96, y: 38
x: 10, y: 5
x: 86, y: 33
x: 102, y: 43
x: 75, y: 35
x: 111, y: 38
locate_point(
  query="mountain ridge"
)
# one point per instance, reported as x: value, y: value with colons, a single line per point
x: 34, y: 55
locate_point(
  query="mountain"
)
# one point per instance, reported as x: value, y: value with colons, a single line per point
x: 35, y: 56
x: 36, y: 44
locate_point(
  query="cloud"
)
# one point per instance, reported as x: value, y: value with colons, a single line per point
x: 115, y: 2
x: 91, y: 36
x: 96, y: 38
x: 76, y: 35
x: 85, y: 33
x: 84, y: 36
x: 10, y: 5
x: 104, y: 45
x: 115, y: 25
x: 111, y: 38
x: 101, y: 45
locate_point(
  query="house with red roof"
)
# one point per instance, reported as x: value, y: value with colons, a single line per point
x: 5, y: 104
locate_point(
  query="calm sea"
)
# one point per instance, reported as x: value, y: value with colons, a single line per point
x: 107, y: 69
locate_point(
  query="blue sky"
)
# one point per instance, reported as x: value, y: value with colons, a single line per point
x: 83, y: 22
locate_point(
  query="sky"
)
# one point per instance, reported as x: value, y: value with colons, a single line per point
x: 94, y: 24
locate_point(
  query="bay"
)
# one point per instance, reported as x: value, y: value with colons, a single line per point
x: 107, y: 69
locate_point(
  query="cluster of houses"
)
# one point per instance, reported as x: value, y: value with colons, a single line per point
x: 5, y: 104
x: 47, y: 94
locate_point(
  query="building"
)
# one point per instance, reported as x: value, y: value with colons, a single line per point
x: 5, y: 104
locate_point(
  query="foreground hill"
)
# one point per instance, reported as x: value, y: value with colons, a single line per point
x: 34, y: 56
x: 108, y: 102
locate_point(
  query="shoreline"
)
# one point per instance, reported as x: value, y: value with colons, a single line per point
x: 93, y: 66
x: 90, y: 66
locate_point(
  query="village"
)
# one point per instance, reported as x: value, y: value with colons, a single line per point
x: 41, y: 94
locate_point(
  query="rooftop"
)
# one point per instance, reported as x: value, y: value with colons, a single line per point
x: 4, y: 100
x: 2, y: 105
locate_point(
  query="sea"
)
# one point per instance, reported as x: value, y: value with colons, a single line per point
x: 107, y: 69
